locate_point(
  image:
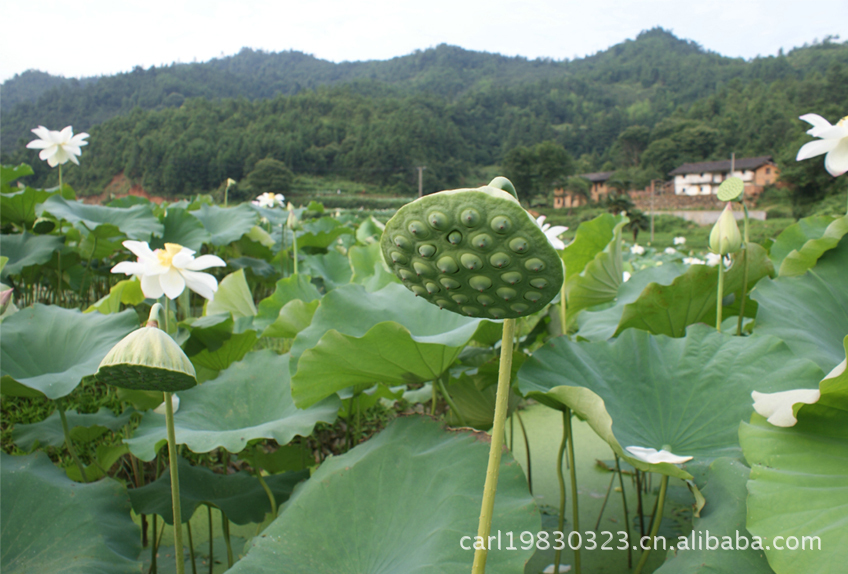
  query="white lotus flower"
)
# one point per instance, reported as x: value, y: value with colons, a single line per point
x: 713, y: 259
x: 777, y: 407
x: 680, y: 240
x: 270, y: 200
x: 653, y: 456
x: 670, y: 251
x: 833, y: 142
x: 169, y: 271
x: 175, y: 403
x: 552, y: 233
x: 693, y: 261
x: 626, y: 276
x: 637, y: 249
x: 58, y: 147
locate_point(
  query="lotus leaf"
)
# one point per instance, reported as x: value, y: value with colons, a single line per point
x: 136, y: 222
x: 226, y: 224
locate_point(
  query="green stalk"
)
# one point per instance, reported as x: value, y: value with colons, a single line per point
x: 563, y: 312
x: 191, y: 548
x: 656, y: 524
x: 744, y: 275
x: 435, y: 395
x: 575, y: 527
x: 294, y: 250
x: 527, y: 450
x: 87, y: 270
x: 264, y: 484
x: 720, y: 293
x: 449, y: 400
x: 561, y: 479
x: 626, y: 518
x: 211, y: 536
x: 60, y: 179
x: 68, y: 442
x: 493, y: 468
x: 225, y: 524
x: 175, y: 484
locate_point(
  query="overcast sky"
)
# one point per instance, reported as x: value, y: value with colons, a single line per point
x: 101, y: 37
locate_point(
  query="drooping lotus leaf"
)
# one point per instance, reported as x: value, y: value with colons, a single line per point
x: 127, y: 292
x: 84, y: 427
x: 388, y: 336
x: 809, y: 312
x: 799, y: 480
x: 136, y: 222
x: 599, y: 281
x: 51, y: 349
x: 289, y: 309
x: 322, y: 233
x: 26, y: 249
x: 250, y: 400
x: 148, y: 359
x: 182, y: 228
x: 591, y: 238
x: 51, y: 524
x: 18, y: 207
x: 602, y: 324
x: 683, y: 395
x: 226, y: 224
x: 10, y: 173
x: 240, y: 496
x: 233, y: 296
x: 369, y: 231
x: 723, y: 515
x: 332, y: 268
x: 418, y: 491
x: 475, y: 252
x: 691, y: 297
x: 800, y: 245
x: 258, y: 267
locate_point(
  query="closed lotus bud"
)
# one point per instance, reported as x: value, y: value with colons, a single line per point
x: 475, y: 252
x: 725, y: 237
x: 148, y: 359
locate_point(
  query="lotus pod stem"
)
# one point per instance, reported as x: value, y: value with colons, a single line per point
x: 745, y: 273
x: 655, y: 527
x: 575, y: 527
x: 496, y: 448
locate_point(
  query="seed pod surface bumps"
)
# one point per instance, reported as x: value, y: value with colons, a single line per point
x: 475, y: 252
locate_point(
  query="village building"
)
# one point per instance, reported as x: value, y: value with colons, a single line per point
x: 704, y: 178
x: 597, y: 191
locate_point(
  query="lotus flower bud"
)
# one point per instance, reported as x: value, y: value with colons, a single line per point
x: 475, y: 252
x: 725, y: 237
x: 148, y: 359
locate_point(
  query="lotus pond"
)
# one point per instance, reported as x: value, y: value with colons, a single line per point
x: 356, y: 377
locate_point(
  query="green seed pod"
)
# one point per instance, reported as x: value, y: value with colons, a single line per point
x: 725, y: 237
x: 475, y: 252
x: 148, y: 359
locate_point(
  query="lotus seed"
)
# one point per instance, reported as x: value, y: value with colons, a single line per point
x: 449, y: 283
x: 431, y: 287
x: 406, y: 274
x: 534, y: 264
x: 513, y: 277
x: 403, y: 243
x: 470, y: 311
x: 518, y: 307
x: 532, y: 296
x: 482, y: 241
x: 446, y: 264
x: 480, y: 282
x: 499, y: 260
x: 419, y: 290
x: 455, y: 237
x: 471, y: 261
x: 501, y: 224
x: 497, y: 313
x: 485, y: 300
x: 437, y: 220
x: 539, y: 283
x: 422, y: 268
x: 506, y: 293
x: 399, y: 258
x: 418, y: 229
x: 470, y: 217
x: 459, y: 298
x: 519, y: 245
x: 426, y: 250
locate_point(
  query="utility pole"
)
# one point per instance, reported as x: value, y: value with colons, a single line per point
x: 421, y: 169
x: 652, y: 210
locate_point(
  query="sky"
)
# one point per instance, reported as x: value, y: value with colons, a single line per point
x: 104, y: 37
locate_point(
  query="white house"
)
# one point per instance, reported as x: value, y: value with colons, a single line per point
x: 705, y: 177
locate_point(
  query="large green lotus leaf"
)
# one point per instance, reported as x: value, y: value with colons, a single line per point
x: 322, y: 233
x: 258, y: 267
x: 369, y: 269
x: 26, y: 249
x: 600, y: 279
x: 722, y: 516
x: 332, y: 267
x: 369, y: 231
x: 801, y: 244
x: 233, y: 349
x: 799, y: 481
x: 84, y: 427
x: 240, y: 496
x: 809, y: 312
x: 51, y: 349
x: 10, y: 173
x: 691, y: 297
x: 233, y: 296
x: 182, y: 228
x: 127, y: 292
x: 400, y: 502
x: 136, y: 222
x: 602, y: 324
x: 52, y: 524
x: 18, y: 208
x: 591, y: 238
x: 683, y: 395
x: 250, y: 400
x: 226, y: 224
x: 289, y: 289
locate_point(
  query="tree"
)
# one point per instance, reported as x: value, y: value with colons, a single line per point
x: 270, y: 175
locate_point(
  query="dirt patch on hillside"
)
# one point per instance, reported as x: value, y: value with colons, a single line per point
x: 119, y: 187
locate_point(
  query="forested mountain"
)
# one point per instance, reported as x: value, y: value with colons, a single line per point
x: 641, y: 107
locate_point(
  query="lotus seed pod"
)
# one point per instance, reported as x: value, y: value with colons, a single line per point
x: 725, y: 237
x: 148, y: 359
x: 476, y: 252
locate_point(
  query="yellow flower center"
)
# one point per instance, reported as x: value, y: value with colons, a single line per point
x: 843, y: 122
x: 166, y: 255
